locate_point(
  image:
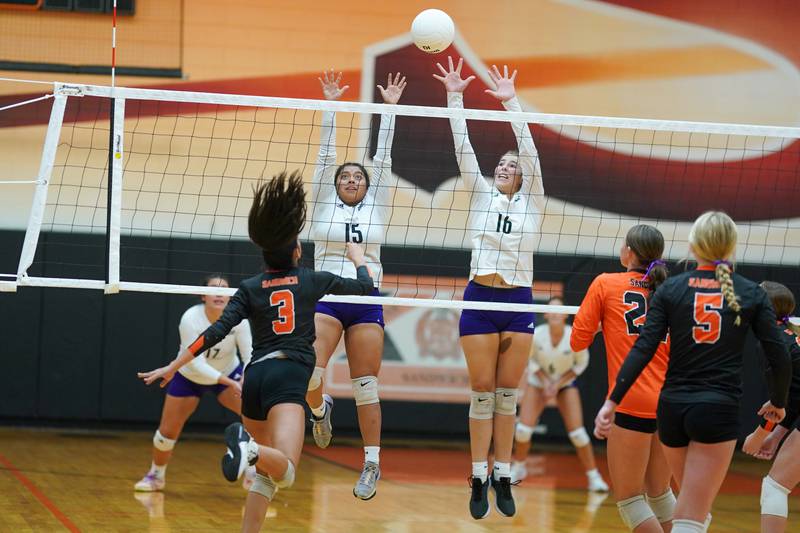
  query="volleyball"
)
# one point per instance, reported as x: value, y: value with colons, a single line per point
x: 433, y: 31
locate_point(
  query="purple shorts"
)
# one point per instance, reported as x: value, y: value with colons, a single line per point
x: 352, y: 314
x: 475, y: 322
x: 183, y: 387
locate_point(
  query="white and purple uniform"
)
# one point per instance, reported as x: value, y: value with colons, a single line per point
x: 555, y: 361
x: 503, y: 229
x: 203, y: 372
x: 334, y: 223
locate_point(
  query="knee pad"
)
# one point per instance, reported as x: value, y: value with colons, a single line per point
x: 288, y: 477
x: 523, y: 433
x: 634, y: 511
x: 774, y: 498
x: 682, y: 525
x: 579, y: 437
x: 505, y: 401
x: 316, y: 378
x: 481, y: 405
x: 162, y: 443
x: 264, y: 486
x: 365, y: 390
x: 663, y: 506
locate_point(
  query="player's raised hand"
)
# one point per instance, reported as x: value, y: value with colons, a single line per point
x: 504, y: 84
x: 330, y: 85
x: 452, y: 78
x: 394, y: 89
x: 604, y: 419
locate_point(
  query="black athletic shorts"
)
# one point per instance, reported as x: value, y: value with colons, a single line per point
x: 635, y: 423
x: 273, y: 381
x: 708, y: 423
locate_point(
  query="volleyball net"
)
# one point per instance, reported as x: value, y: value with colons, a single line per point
x: 149, y: 190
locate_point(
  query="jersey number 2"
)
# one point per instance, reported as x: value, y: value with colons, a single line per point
x: 707, y: 307
x: 285, y: 301
x: 634, y: 317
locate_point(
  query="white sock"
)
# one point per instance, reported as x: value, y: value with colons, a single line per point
x: 481, y: 470
x: 372, y: 454
x: 252, y: 452
x: 319, y: 412
x: 159, y: 471
x: 682, y: 525
x: 501, y: 470
x: 593, y: 474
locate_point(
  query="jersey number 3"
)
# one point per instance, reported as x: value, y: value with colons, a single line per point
x: 285, y: 301
x: 707, y: 307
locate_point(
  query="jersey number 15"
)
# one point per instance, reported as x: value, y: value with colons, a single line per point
x: 352, y: 233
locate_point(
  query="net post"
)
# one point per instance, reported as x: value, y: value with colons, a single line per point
x: 114, y: 202
x: 40, y: 195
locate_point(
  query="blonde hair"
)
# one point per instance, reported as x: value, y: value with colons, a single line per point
x: 782, y: 301
x: 713, y: 238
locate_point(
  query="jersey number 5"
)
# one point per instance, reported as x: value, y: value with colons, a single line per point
x: 285, y: 301
x: 707, y: 307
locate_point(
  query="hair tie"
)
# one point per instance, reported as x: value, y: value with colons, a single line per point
x: 723, y: 262
x: 785, y: 319
x: 653, y: 263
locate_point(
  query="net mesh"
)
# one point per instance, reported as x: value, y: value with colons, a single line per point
x: 189, y: 168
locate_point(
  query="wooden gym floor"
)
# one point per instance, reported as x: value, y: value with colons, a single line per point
x: 54, y: 480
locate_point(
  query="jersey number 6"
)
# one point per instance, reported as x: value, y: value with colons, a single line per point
x: 707, y: 307
x: 285, y: 301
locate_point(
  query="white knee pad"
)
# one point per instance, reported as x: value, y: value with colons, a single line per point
x: 316, y: 378
x: 264, y: 486
x: 162, y: 443
x: 579, y: 437
x: 365, y: 390
x: 288, y: 478
x: 505, y: 401
x: 523, y: 433
x: 634, y: 511
x: 663, y: 506
x: 774, y: 498
x: 682, y: 525
x: 481, y: 405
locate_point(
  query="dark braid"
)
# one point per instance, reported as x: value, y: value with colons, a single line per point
x: 277, y: 217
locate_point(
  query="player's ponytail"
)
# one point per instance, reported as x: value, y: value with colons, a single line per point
x: 713, y: 238
x: 648, y: 244
x: 783, y: 302
x: 277, y: 217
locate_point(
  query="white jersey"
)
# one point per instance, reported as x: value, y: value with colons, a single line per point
x: 555, y: 361
x: 219, y: 360
x: 334, y: 223
x: 503, y: 230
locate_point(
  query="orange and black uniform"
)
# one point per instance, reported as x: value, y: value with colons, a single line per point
x: 792, y: 342
x: 618, y: 303
x: 280, y: 306
x: 703, y: 387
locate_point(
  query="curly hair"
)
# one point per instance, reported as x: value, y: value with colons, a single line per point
x: 277, y: 217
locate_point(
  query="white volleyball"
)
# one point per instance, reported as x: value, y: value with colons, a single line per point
x: 433, y: 31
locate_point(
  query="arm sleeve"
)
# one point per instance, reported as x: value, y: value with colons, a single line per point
x: 234, y: 313
x: 652, y: 333
x: 381, y: 180
x: 322, y: 187
x: 328, y: 283
x: 244, y: 341
x: 528, y: 155
x: 779, y: 371
x: 467, y: 162
x: 587, y: 320
x: 581, y: 362
x: 203, y: 373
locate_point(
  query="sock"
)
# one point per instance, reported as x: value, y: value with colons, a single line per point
x: 252, y: 452
x: 682, y: 525
x: 481, y: 470
x: 501, y: 470
x: 593, y: 474
x: 159, y: 471
x: 372, y: 454
x: 319, y: 412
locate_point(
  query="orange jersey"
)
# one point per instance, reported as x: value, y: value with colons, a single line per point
x: 618, y: 303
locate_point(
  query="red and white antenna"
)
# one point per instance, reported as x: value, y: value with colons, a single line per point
x: 113, y: 42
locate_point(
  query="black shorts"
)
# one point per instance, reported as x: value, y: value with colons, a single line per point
x: 273, y: 381
x: 635, y: 423
x: 708, y: 423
